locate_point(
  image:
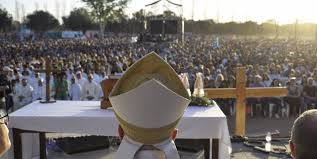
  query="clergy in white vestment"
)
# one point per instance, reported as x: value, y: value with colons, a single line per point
x: 80, y: 79
x: 75, y: 90
x: 39, y: 90
x: 35, y: 80
x: 70, y: 74
x: 97, y: 78
x: 149, y: 101
x: 91, y: 90
x: 23, y: 94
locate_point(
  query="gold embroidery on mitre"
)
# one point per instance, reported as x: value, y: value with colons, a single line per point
x: 148, y: 136
x: 147, y: 68
x: 151, y: 66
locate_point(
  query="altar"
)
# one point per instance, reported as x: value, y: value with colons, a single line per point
x: 86, y: 117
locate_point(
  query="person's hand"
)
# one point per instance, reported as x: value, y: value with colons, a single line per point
x: 4, y: 137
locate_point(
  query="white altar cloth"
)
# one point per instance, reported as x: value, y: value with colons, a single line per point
x: 86, y: 117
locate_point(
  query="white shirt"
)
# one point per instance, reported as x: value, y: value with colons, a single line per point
x: 26, y: 92
x: 82, y: 81
x: 34, y: 81
x: 39, y: 92
x: 91, y: 89
x: 75, y: 92
x: 97, y: 78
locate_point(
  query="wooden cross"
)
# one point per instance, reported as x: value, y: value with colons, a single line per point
x: 48, y: 70
x: 241, y: 93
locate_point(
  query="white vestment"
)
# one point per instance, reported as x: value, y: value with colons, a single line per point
x: 97, y: 78
x: 91, y: 89
x: 75, y: 92
x: 130, y: 149
x: 69, y: 76
x: 24, y: 91
x: 39, y: 92
x: 82, y: 82
x: 34, y: 81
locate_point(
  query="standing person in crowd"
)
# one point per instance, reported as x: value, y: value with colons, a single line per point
x: 75, y: 90
x: 61, y: 87
x: 80, y: 79
x: 91, y: 90
x: 293, y: 99
x: 35, y: 80
x: 310, y: 94
x: 39, y: 90
x: 256, y: 101
x: 5, y: 82
x: 275, y: 103
x: 23, y: 94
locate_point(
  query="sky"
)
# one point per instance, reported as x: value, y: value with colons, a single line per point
x: 283, y: 11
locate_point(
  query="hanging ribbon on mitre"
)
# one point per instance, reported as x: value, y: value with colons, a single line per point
x: 184, y: 79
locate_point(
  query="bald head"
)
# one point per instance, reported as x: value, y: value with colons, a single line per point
x: 304, y: 136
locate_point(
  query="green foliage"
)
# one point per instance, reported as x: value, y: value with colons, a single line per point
x: 41, y: 21
x: 107, y: 10
x: 139, y: 16
x: 5, y: 20
x: 79, y: 19
x: 200, y: 101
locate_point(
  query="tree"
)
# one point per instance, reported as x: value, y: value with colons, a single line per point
x: 5, y: 20
x: 79, y: 19
x: 106, y: 10
x: 139, y: 16
x: 41, y: 21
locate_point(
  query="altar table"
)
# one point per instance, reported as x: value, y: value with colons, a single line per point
x: 207, y: 124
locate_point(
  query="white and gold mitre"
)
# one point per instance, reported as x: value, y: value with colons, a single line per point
x: 149, y: 100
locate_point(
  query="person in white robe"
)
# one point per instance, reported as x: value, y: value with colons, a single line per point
x: 39, y: 90
x: 35, y: 80
x: 70, y: 74
x: 80, y: 79
x: 75, y: 90
x: 23, y: 94
x: 24, y: 89
x: 97, y: 78
x: 148, y: 110
x: 91, y: 90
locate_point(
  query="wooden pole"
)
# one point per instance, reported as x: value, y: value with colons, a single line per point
x: 241, y: 103
x: 47, y: 76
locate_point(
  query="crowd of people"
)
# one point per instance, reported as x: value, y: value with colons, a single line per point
x: 83, y: 64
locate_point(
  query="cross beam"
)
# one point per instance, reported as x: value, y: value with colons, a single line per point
x: 241, y: 93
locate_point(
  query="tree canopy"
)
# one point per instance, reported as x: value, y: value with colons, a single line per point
x: 41, y: 21
x: 105, y: 11
x: 79, y: 19
x: 5, y: 20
